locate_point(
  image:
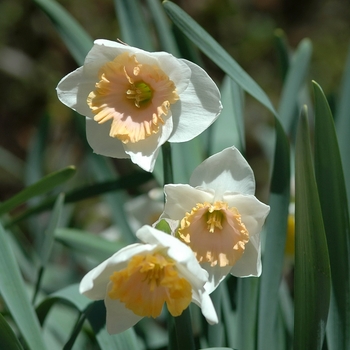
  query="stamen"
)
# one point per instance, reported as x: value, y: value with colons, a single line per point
x: 147, y: 282
x: 215, y: 233
x: 215, y: 218
x: 136, y: 97
x: 141, y: 93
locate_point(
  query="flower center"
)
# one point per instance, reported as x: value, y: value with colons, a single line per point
x: 215, y: 233
x: 140, y: 93
x: 147, y: 282
x: 136, y: 97
x: 214, y: 219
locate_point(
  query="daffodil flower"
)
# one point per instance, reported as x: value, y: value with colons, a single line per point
x: 219, y: 217
x: 136, y: 100
x: 137, y: 281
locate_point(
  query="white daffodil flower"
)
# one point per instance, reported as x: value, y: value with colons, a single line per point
x: 136, y: 100
x: 137, y: 281
x: 219, y: 217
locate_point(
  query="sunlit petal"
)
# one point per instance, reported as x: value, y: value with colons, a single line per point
x: 145, y: 98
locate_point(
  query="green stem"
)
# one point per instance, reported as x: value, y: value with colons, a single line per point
x: 167, y: 164
x: 183, y: 329
x: 179, y: 328
x: 37, y: 284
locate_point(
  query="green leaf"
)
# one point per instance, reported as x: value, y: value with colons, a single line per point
x: 163, y: 225
x: 74, y: 36
x: 48, y: 238
x: 133, y: 26
x: 296, y: 75
x: 228, y: 316
x: 276, y: 229
x: 342, y: 121
x: 247, y: 304
x: 14, y: 293
x: 282, y: 52
x: 95, y: 313
x: 45, y: 185
x: 166, y: 37
x: 216, y: 53
x: 186, y: 157
x: 216, y: 348
x: 312, y: 281
x: 36, y: 152
x: 47, y: 241
x: 130, y: 181
x: 228, y: 129
x: 334, y: 204
x: 103, y: 170
x: 8, y: 338
x: 88, y: 244
x: 216, y: 333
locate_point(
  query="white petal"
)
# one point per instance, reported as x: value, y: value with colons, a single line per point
x: 186, y: 264
x: 185, y: 260
x: 94, y: 283
x: 98, y: 138
x: 226, y: 171
x: 181, y: 199
x: 253, y: 212
x: 102, y: 52
x: 198, y: 108
x: 202, y: 299
x: 105, y: 50
x: 74, y: 89
x: 118, y: 318
x: 216, y: 275
x: 250, y: 263
x: 144, y: 153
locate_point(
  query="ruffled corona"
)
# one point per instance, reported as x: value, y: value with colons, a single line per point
x: 215, y: 233
x: 147, y: 282
x: 135, y: 96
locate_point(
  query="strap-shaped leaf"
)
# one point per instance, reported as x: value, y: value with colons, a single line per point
x: 88, y: 244
x: 45, y: 185
x: 47, y: 240
x: 276, y: 229
x: 8, y: 337
x: 216, y: 53
x: 74, y: 36
x: 14, y: 293
x: 95, y: 313
x: 133, y: 25
x: 342, y: 121
x: 296, y: 76
x: 165, y: 35
x: 228, y: 130
x: 334, y: 204
x: 312, y: 281
x: 247, y: 304
x: 132, y: 180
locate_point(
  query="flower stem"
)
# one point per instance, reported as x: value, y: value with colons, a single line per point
x: 179, y: 328
x: 167, y: 164
x: 180, y: 332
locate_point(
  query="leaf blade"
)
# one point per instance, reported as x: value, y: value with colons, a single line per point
x: 332, y: 191
x: 44, y: 185
x: 312, y: 270
x: 216, y: 53
x: 74, y: 36
x: 13, y: 291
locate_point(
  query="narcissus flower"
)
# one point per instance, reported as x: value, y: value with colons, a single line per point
x: 135, y: 100
x: 219, y: 217
x: 137, y: 281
